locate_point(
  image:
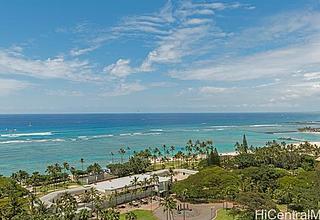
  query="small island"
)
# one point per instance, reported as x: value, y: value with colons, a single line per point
x: 309, y: 130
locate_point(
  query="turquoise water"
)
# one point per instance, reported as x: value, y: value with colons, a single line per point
x: 31, y: 142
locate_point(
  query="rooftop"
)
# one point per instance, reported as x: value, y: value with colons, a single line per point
x: 120, y: 183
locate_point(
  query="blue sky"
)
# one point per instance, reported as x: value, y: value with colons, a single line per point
x: 159, y: 56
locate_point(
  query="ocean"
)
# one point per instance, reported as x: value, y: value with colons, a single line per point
x: 32, y: 142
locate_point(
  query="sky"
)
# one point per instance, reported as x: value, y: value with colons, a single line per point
x: 81, y: 56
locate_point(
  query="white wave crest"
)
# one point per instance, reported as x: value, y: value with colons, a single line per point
x: 126, y: 134
x: 31, y: 141
x: 156, y: 130
x: 141, y: 134
x: 264, y: 125
x: 27, y: 134
x: 102, y: 136
x: 224, y: 126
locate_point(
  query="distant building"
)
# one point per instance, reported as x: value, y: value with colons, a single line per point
x: 91, y: 178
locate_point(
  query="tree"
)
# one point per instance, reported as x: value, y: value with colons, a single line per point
x: 54, y: 172
x: 131, y: 216
x: 245, y: 143
x: 212, y: 183
x: 35, y: 180
x: 249, y: 202
x: 84, y: 215
x: 82, y: 162
x: 122, y: 152
x: 110, y: 214
x: 95, y: 169
x: 135, y: 182
x: 66, y: 167
x: 66, y: 207
x: 41, y: 208
x: 214, y: 158
x: 145, y: 184
x: 31, y: 199
x: 243, y: 147
x: 112, y: 156
x: 168, y: 204
x: 14, y: 206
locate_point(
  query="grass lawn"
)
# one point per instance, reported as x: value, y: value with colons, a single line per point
x: 141, y: 215
x: 282, y: 208
x: 223, y: 215
x: 174, y: 165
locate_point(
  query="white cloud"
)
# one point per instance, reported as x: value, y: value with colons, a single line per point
x: 56, y: 67
x: 312, y: 76
x: 211, y: 90
x: 8, y: 86
x: 123, y: 89
x: 174, y: 47
x: 119, y: 69
x: 195, y: 21
x: 280, y: 29
x: 189, y: 36
x: 178, y: 29
x: 283, y: 62
x: 78, y: 52
x: 65, y: 93
x: 301, y: 90
x: 149, y: 25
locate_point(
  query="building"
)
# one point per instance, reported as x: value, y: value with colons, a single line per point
x: 125, y: 189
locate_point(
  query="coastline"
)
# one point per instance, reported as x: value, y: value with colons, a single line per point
x: 234, y: 153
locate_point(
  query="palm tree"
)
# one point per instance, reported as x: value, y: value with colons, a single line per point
x: 35, y: 179
x: 154, y: 157
x: 126, y: 190
x: 129, y: 151
x: 52, y: 172
x: 135, y: 182
x: 14, y: 206
x: 58, y: 170
x: 74, y: 173
x: 163, y: 161
x: 84, y: 215
x: 40, y: 207
x: 66, y: 167
x: 172, y: 149
x: 110, y: 214
x: 171, y: 173
x: 164, y: 147
x: 95, y: 169
x: 21, y: 176
x: 66, y: 206
x: 131, y: 216
x: 31, y: 198
x: 122, y: 152
x: 189, y: 148
x: 153, y: 181
x: 169, y: 204
x: 96, y: 202
x: 112, y: 157
x: 179, y: 156
x: 82, y: 161
x: 145, y: 184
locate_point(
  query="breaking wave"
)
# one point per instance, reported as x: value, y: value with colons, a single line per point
x: 31, y: 141
x: 27, y: 134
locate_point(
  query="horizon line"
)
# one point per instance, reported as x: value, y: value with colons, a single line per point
x: 114, y: 113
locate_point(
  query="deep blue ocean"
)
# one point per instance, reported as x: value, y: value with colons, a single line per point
x: 31, y: 142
